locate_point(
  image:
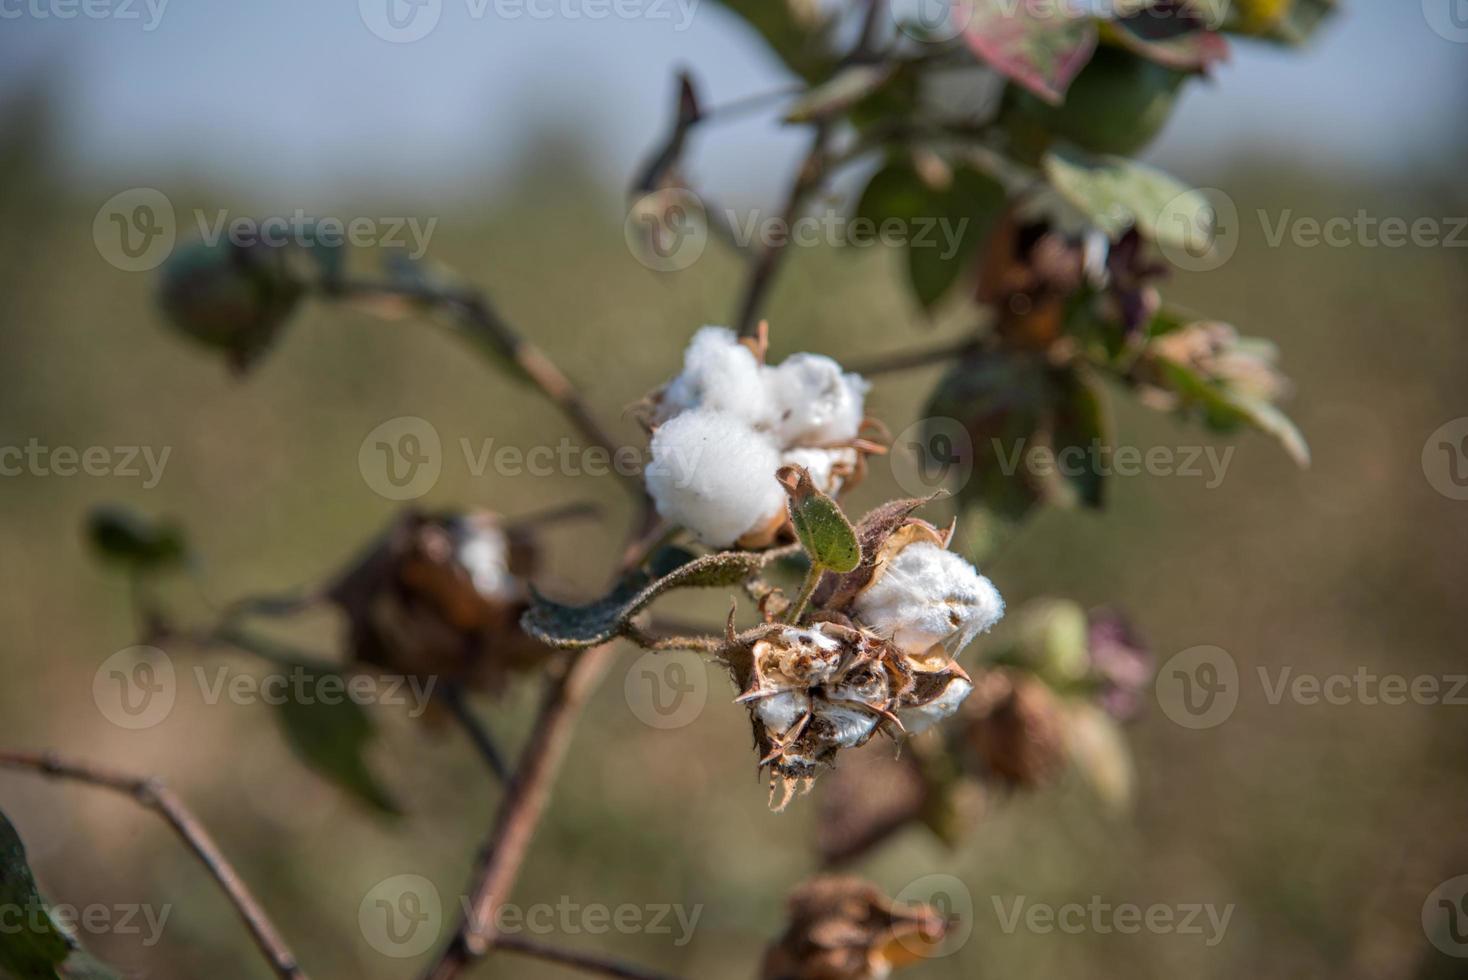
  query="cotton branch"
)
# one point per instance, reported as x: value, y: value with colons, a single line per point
x: 153, y: 795
x: 503, y: 852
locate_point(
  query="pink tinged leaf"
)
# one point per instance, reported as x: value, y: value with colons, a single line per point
x: 1035, y: 43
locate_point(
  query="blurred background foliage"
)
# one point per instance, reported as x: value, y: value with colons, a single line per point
x: 1325, y: 825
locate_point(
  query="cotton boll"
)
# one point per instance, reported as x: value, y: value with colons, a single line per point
x: 484, y: 551
x: 817, y: 404
x: 925, y: 596
x: 920, y: 718
x: 720, y: 374
x: 713, y: 474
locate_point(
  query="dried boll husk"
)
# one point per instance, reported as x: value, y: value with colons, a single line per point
x: 441, y: 596
x: 812, y: 692
x: 1015, y: 728
x: 844, y: 928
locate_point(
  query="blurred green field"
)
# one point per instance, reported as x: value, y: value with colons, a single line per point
x: 1326, y: 826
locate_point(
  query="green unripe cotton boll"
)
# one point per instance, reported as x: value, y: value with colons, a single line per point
x: 1117, y: 104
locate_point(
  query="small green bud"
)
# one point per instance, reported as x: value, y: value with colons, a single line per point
x: 1054, y: 640
x: 124, y: 536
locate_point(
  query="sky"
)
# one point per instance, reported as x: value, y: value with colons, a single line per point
x: 314, y: 97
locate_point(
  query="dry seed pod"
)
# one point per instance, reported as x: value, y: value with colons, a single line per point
x: 1016, y: 728
x: 843, y: 928
x: 442, y: 596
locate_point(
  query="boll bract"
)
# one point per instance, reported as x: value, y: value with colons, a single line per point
x: 843, y: 928
x: 728, y: 421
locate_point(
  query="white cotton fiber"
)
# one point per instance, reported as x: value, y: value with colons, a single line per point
x: 720, y: 374
x: 713, y: 474
x: 484, y: 552
x: 816, y: 403
x: 925, y: 596
x: 822, y: 464
x: 920, y: 718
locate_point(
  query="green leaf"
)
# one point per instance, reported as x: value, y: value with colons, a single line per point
x: 38, y: 946
x: 573, y: 627
x: 1031, y: 42
x: 840, y: 92
x: 824, y: 532
x: 1225, y: 410
x: 121, y: 535
x: 1116, y: 194
x: 944, y: 227
x: 332, y: 737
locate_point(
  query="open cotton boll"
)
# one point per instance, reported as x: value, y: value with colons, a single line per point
x: 721, y: 374
x: 924, y: 596
x: 713, y: 474
x: 816, y: 403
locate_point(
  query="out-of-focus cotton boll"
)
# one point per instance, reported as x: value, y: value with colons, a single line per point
x: 816, y: 403
x: 926, y: 596
x: 713, y: 474
x: 720, y: 374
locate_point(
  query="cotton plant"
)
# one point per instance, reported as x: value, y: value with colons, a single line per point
x: 1057, y: 280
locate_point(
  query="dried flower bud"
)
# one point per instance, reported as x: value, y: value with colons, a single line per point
x: 1217, y: 353
x: 1016, y: 728
x: 1121, y: 662
x: 442, y: 596
x: 728, y: 421
x: 844, y: 928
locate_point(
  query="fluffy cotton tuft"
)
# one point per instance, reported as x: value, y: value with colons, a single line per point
x: 798, y: 412
x: 722, y: 375
x: 926, y: 596
x: 713, y: 474
x: 920, y: 718
x: 816, y: 404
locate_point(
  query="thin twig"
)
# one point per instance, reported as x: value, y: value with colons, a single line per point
x: 502, y: 854
x: 586, y: 962
x: 153, y: 795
